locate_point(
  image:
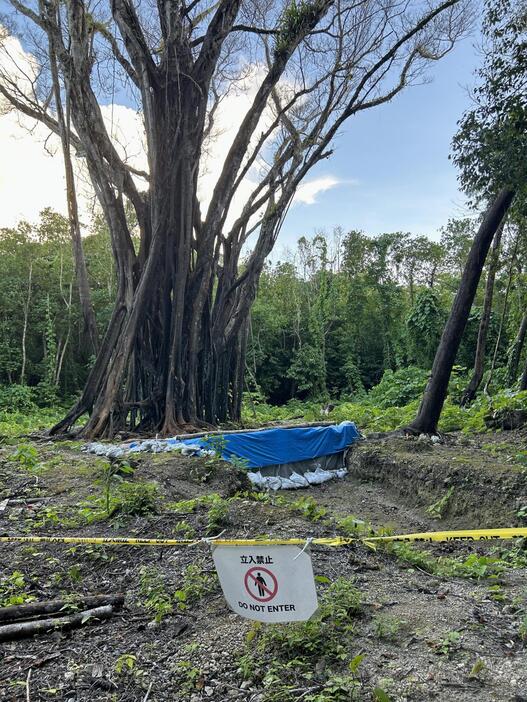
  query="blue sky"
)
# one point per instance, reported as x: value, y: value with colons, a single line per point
x: 393, y: 161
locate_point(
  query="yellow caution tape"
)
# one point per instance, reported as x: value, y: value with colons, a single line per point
x: 462, y: 534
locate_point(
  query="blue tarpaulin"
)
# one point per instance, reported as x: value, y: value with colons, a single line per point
x: 278, y: 446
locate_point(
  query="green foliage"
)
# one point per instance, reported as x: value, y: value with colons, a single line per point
x: 13, y: 589
x: 278, y: 656
x: 294, y: 22
x: 189, y: 677
x: 448, y: 644
x: 425, y: 324
x: 136, y: 498
x: 309, y: 509
x: 308, y: 370
x: 195, y: 584
x: 125, y: 663
x: 217, y: 515
x: 386, y: 626
x: 437, y: 509
x: 399, y: 388
x: 26, y: 456
x: 155, y: 598
x: 17, y: 398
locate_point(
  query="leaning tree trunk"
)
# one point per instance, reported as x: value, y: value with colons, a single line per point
x: 517, y: 347
x: 479, y: 359
x: 437, y: 387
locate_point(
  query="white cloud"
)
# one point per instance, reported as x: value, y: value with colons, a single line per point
x: 307, y: 192
x: 32, y: 169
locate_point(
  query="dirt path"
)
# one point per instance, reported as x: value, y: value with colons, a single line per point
x: 416, y: 635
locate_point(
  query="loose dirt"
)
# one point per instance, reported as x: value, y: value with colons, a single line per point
x: 422, y: 637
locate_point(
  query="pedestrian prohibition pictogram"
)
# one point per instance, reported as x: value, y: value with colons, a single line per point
x: 261, y: 584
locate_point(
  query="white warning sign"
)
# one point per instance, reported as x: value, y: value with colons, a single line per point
x: 267, y: 583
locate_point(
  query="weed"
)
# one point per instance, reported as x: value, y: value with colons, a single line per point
x: 189, y: 678
x: 496, y: 593
x: 380, y: 695
x: 137, y: 498
x: 413, y: 556
x: 195, y: 584
x: 309, y: 509
x: 26, y: 456
x: 473, y: 566
x: 448, y: 644
x: 438, y: 509
x: 386, y: 627
x: 13, y: 590
x: 111, y: 473
x: 478, y: 667
x: 124, y: 498
x: 217, y: 515
x: 125, y: 663
x: 156, y: 598
x: 184, y: 530
x: 352, y: 526
x: 280, y: 655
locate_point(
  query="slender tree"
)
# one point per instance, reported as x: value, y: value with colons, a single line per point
x: 171, y: 353
x: 437, y: 387
x: 517, y: 347
x: 479, y: 358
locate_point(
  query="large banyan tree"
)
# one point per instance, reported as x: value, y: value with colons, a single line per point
x: 173, y: 352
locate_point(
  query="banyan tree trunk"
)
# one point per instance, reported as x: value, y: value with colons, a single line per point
x: 167, y: 362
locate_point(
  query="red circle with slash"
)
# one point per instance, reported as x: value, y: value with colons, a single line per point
x: 266, y: 587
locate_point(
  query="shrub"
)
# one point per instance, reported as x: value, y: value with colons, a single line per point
x: 399, y: 388
x: 137, y: 498
x: 17, y: 398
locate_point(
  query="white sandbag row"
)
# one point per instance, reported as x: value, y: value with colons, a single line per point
x: 295, y: 480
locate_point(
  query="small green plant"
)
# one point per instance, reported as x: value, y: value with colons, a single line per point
x: 156, y: 598
x: 438, y: 509
x: 478, y: 667
x: 386, y: 627
x: 412, y: 556
x: 448, y: 644
x: 26, y: 456
x: 189, y: 678
x: 309, y: 509
x: 136, y: 498
x: 111, y: 473
x: 125, y: 663
x: 13, y: 589
x: 281, y: 658
x: 183, y: 530
x: 351, y: 526
x: 195, y: 584
x: 217, y: 515
x: 380, y: 695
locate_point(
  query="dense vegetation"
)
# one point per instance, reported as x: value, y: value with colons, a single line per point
x: 347, y: 319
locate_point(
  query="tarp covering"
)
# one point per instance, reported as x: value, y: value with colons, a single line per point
x: 277, y: 458
x: 276, y: 446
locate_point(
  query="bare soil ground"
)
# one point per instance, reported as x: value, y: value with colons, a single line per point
x: 422, y: 634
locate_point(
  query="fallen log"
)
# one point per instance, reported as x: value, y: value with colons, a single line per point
x: 34, y: 609
x: 41, y: 626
